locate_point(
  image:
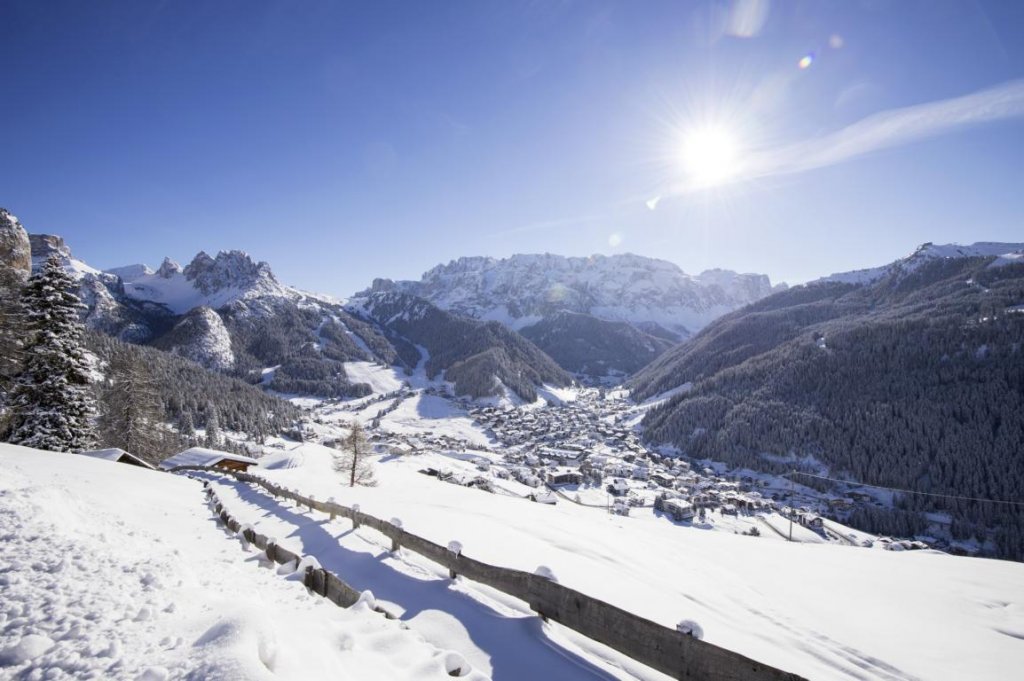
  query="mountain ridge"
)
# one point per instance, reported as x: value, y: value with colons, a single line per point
x: 522, y: 289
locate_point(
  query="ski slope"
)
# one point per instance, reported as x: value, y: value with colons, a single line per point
x: 109, y: 571
x: 824, y: 611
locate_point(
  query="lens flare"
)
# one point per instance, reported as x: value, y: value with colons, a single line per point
x: 806, y: 61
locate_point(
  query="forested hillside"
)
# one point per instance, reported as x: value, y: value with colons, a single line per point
x: 479, y: 357
x: 914, y: 381
x: 190, y: 396
x: 584, y: 344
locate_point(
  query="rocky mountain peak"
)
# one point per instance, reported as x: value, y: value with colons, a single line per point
x: 45, y: 245
x: 168, y: 269
x: 381, y: 285
x: 230, y: 269
x: 15, y: 248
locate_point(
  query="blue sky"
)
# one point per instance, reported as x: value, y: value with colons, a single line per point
x: 345, y: 141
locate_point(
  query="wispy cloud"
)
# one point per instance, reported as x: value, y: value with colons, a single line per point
x: 881, y: 131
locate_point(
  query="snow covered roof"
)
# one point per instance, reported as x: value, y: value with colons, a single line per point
x: 201, y: 456
x: 115, y: 454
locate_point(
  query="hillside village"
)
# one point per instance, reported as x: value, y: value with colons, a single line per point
x: 586, y: 450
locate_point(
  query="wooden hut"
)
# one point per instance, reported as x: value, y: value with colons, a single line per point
x: 209, y: 458
x: 118, y: 456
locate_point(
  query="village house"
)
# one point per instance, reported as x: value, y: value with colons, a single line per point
x: 563, y: 476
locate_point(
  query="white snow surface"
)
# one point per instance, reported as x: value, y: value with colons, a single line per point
x: 111, y: 571
x: 381, y: 379
x: 822, y: 610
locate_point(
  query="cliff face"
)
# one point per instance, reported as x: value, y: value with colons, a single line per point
x: 15, y: 249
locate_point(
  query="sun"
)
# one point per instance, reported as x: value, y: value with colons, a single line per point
x: 710, y: 155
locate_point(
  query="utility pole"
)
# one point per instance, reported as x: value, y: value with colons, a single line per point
x: 791, y: 505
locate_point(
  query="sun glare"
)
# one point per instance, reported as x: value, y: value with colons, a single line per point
x: 709, y: 155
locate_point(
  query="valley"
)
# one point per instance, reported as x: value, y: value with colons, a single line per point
x: 649, y: 468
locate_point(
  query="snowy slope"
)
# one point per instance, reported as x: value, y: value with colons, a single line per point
x: 110, y: 571
x: 824, y: 611
x: 1005, y: 253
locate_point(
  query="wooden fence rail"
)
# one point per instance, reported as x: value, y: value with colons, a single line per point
x: 669, y: 651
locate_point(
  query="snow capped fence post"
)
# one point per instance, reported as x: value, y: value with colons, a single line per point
x: 310, y: 501
x: 332, y: 503
x: 355, y: 516
x: 456, y: 549
x: 690, y: 628
x: 395, y: 544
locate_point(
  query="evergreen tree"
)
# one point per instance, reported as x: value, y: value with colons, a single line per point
x: 212, y: 426
x: 12, y: 334
x: 53, y: 404
x: 11, y: 329
x: 186, y: 426
x: 132, y: 412
x: 354, y: 460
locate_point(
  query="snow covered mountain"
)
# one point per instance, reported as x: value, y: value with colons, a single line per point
x: 574, y: 308
x: 206, y: 281
x: 1006, y: 253
x: 231, y: 314
x: 523, y: 289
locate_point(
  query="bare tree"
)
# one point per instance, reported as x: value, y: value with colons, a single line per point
x: 354, y: 457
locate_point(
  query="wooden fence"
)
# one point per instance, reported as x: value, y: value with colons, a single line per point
x: 669, y: 651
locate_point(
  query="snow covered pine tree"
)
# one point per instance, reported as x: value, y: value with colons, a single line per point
x: 53, y: 403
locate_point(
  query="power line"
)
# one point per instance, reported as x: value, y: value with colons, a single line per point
x: 907, y: 491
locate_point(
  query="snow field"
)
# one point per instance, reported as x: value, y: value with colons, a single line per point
x: 418, y: 414
x: 113, y: 572
x: 497, y: 635
x: 381, y: 379
x: 824, y: 611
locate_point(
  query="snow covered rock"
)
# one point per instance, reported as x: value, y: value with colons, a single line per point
x: 202, y: 337
x: 455, y: 664
x: 15, y: 249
